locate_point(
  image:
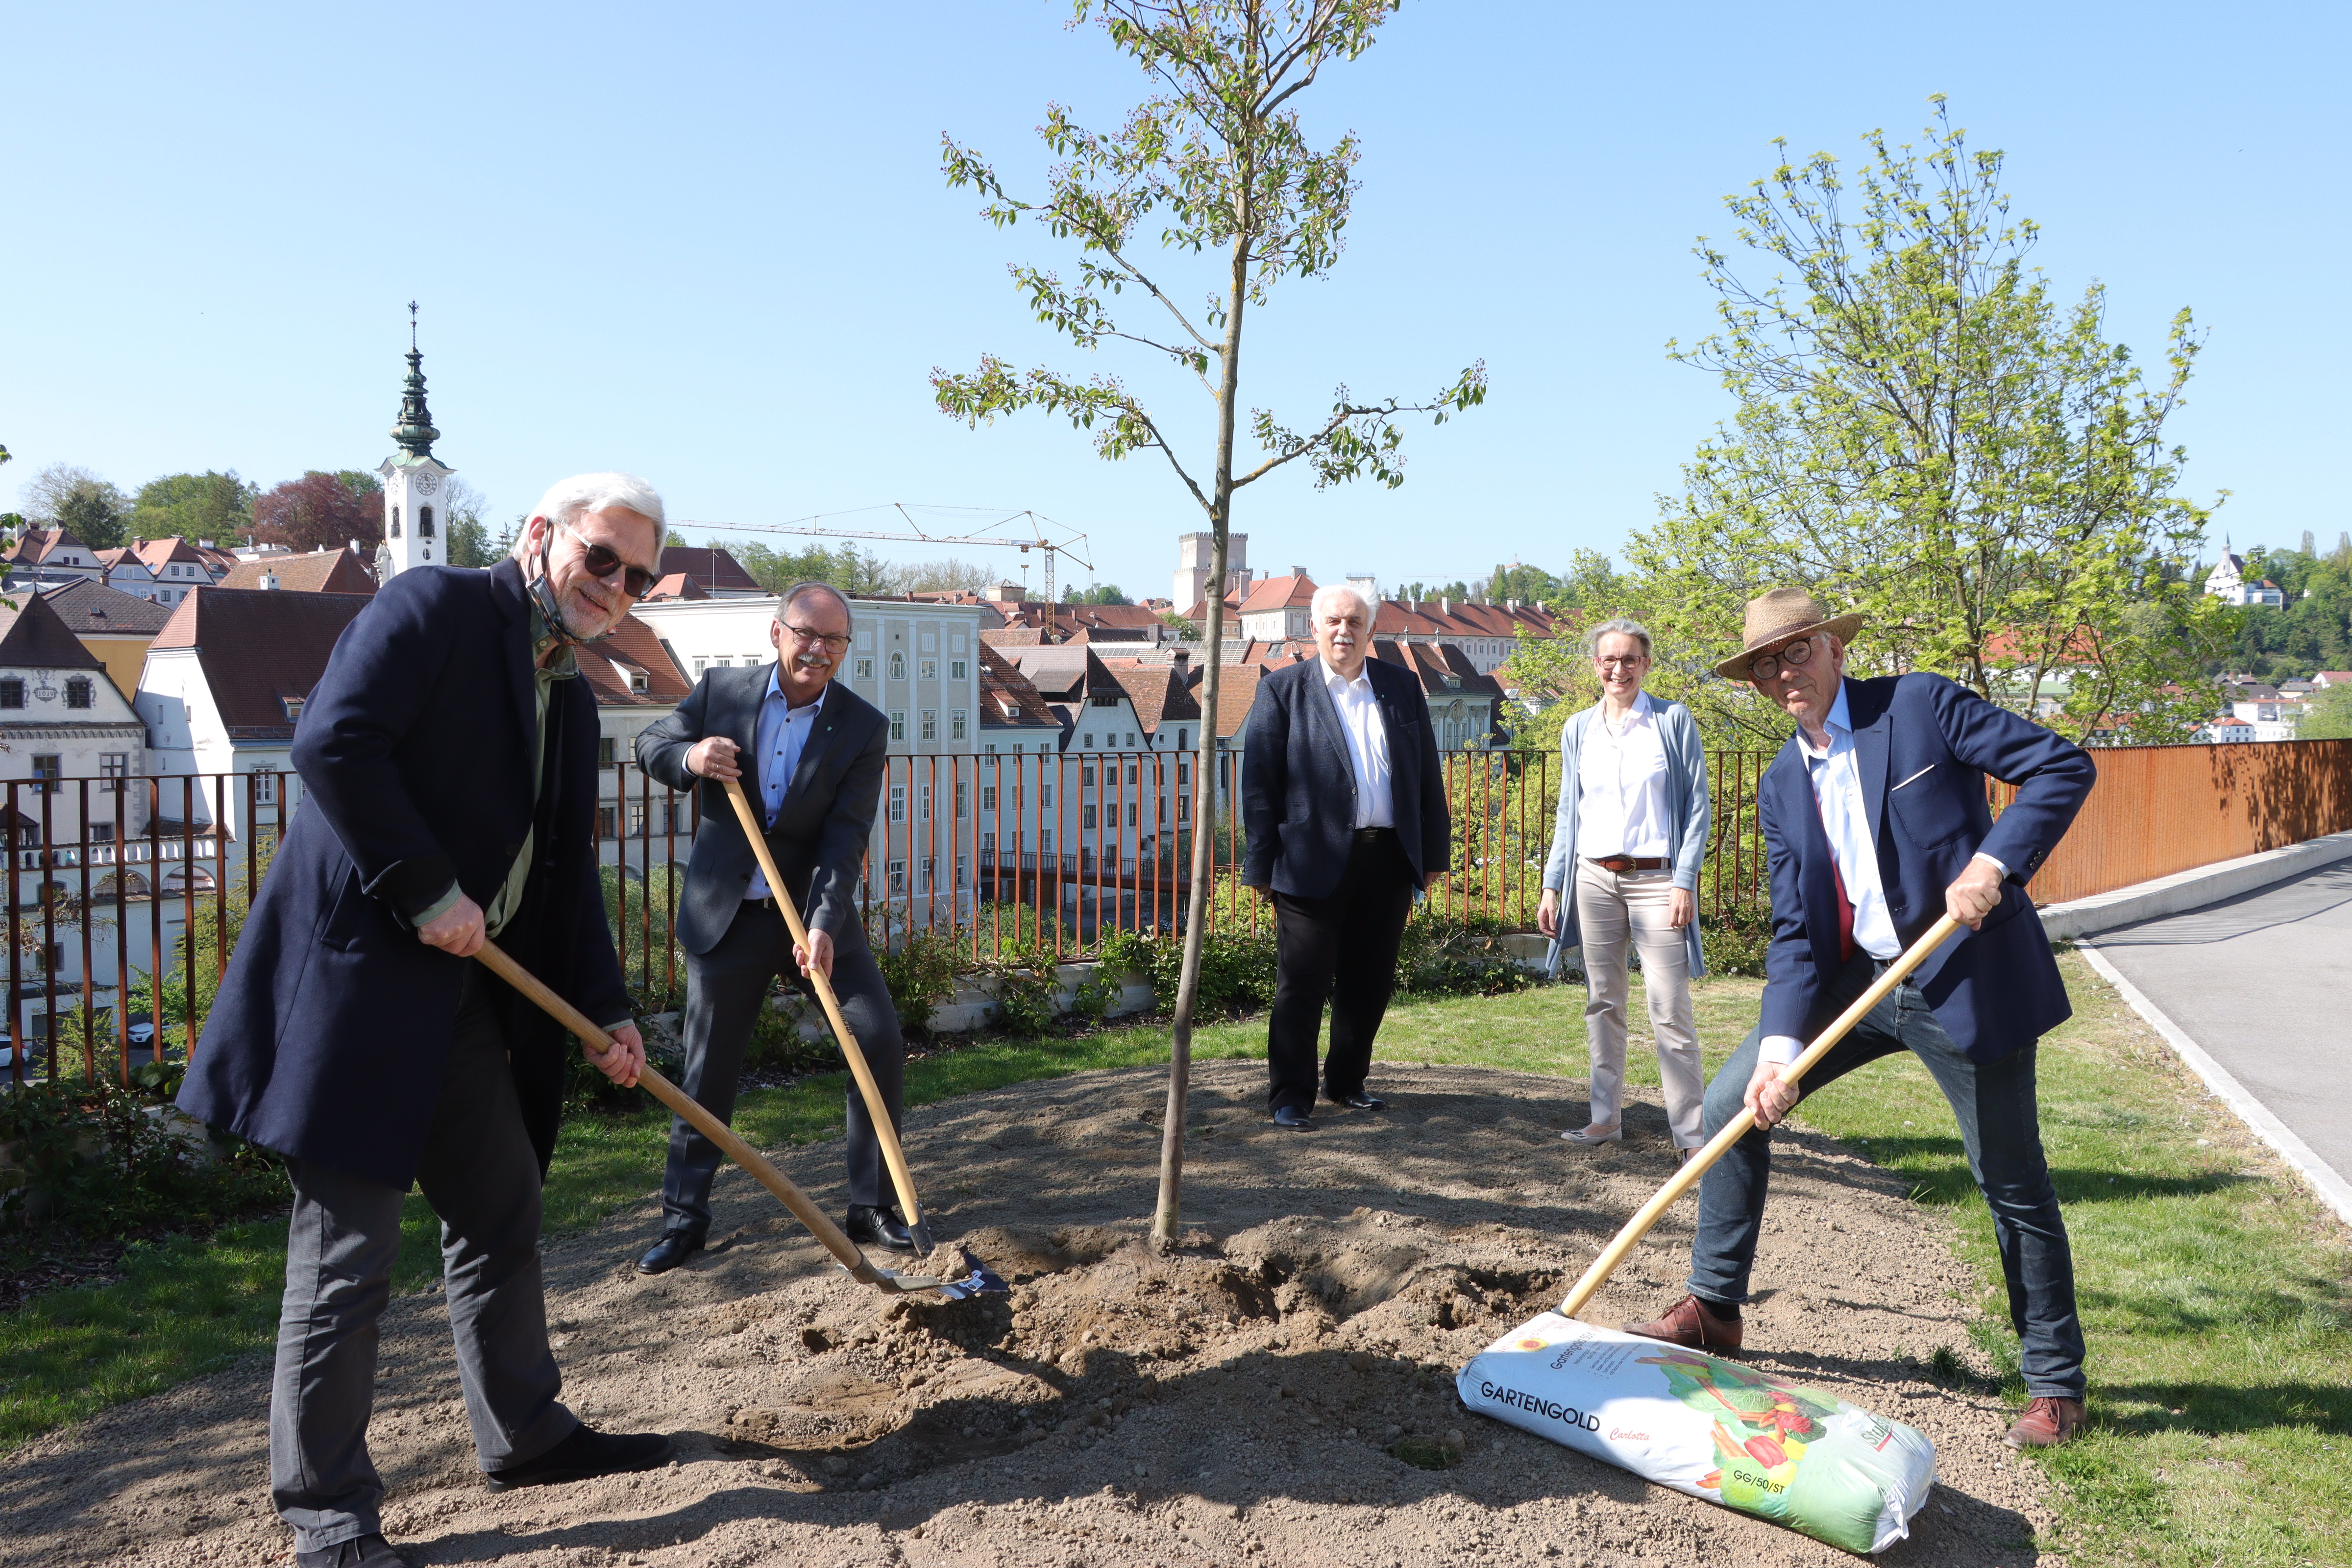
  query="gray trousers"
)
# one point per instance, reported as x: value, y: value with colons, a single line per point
x: 481, y: 1177
x: 725, y: 988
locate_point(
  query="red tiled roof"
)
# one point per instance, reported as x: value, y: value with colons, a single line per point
x: 156, y: 553
x: 1278, y: 594
x: 1236, y: 691
x: 317, y: 571
x: 1013, y: 637
x: 36, y: 545
x: 711, y: 567
x: 1157, y: 692
x: 34, y: 635
x: 677, y: 585
x: 1006, y: 697
x: 259, y: 649
x: 609, y: 666
x: 92, y: 610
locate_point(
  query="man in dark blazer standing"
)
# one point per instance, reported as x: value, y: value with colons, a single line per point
x: 1875, y: 824
x: 1344, y: 802
x: 449, y: 756
x: 810, y: 755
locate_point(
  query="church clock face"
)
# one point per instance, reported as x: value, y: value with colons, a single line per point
x: 426, y: 484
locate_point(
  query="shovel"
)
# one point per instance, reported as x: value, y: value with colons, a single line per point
x: 867, y: 1089
x: 843, y: 1250
x: 1682, y: 1180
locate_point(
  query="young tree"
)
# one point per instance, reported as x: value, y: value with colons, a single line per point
x: 946, y: 575
x: 468, y: 535
x: 1925, y: 435
x: 76, y: 499
x: 1214, y: 161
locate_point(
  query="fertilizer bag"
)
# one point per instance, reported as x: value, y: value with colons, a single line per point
x: 1710, y: 1427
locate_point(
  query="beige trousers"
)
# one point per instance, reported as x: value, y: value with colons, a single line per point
x: 1614, y: 912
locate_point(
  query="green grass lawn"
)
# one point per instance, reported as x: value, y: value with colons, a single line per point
x: 2217, y: 1295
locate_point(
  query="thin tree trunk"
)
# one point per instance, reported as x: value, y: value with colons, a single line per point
x: 1168, y: 1218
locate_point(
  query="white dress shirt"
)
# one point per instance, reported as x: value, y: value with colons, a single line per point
x: 1368, y: 744
x: 1836, y: 774
x: 1620, y: 786
x: 777, y: 744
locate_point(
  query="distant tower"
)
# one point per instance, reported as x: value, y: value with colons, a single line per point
x: 416, y: 482
x: 1193, y: 553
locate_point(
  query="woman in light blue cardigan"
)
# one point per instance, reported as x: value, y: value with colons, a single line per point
x: 1626, y: 849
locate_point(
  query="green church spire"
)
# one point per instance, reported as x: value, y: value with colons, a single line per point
x: 414, y: 433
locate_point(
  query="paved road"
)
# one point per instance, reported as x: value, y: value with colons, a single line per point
x: 2263, y: 981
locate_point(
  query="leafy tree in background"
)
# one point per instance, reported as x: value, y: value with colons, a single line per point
x: 2330, y: 718
x: 318, y: 511
x: 1214, y: 163
x: 946, y: 575
x: 467, y: 536
x: 849, y: 569
x: 1529, y: 585
x: 1185, y: 630
x: 1101, y: 593
x: 2311, y: 631
x: 66, y: 496
x: 1925, y: 435
x: 209, y: 505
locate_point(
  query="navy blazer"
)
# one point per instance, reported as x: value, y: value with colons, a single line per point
x: 819, y: 836
x: 1994, y: 989
x: 1298, y: 786
x: 328, y: 1038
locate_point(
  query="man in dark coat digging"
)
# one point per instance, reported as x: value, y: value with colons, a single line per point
x: 1874, y: 825
x: 448, y: 758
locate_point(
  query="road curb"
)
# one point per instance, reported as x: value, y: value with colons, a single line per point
x: 2192, y: 889
x: 2331, y: 1187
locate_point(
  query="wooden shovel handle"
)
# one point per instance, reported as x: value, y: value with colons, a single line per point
x: 871, y: 1092
x: 1682, y: 1180
x: 679, y: 1100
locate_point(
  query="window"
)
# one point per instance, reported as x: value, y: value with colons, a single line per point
x: 1183, y: 773
x: 960, y: 725
x: 899, y: 875
x: 958, y: 669
x: 1183, y: 808
x: 931, y: 723
x: 1085, y: 778
x: 1045, y: 796
x: 1131, y: 740
x: 12, y: 693
x: 607, y: 750
x: 928, y: 670
x: 963, y: 870
x: 923, y: 875
x: 77, y: 693
x: 898, y: 724
x: 1090, y: 740
x: 989, y: 749
x: 1044, y: 841
x: 700, y: 666
x: 898, y: 664
x: 608, y: 820
x: 898, y: 802
x: 1130, y: 813
x: 173, y: 571
x: 1104, y: 701
x: 988, y: 843
x: 115, y: 766
x: 1131, y: 769
x: 638, y: 685
x: 1180, y: 743
x: 987, y: 797
x: 1086, y: 816
x: 962, y: 802
x: 424, y: 522
x: 47, y: 770
x: 637, y: 820
x: 923, y: 805
x: 866, y: 667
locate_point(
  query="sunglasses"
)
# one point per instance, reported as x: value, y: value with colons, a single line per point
x: 602, y: 563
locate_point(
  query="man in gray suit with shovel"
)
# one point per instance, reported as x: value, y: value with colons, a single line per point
x: 810, y: 753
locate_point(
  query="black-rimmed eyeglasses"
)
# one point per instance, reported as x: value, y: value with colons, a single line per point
x: 601, y: 563
x: 1765, y: 666
x: 834, y: 642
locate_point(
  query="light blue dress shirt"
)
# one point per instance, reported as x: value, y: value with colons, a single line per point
x: 778, y: 742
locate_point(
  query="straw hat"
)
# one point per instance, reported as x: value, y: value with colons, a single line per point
x: 1778, y: 616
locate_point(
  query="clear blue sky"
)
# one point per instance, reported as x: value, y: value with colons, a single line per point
x: 711, y: 245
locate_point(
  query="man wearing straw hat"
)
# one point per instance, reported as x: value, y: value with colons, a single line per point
x: 810, y: 753
x: 1875, y: 825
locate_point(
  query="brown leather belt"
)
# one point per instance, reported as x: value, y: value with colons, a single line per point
x: 1621, y: 864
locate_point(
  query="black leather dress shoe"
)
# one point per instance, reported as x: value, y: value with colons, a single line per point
x: 367, y: 1551
x: 870, y: 1226
x: 674, y: 1248
x: 584, y: 1456
x: 1362, y: 1100
x: 1291, y: 1117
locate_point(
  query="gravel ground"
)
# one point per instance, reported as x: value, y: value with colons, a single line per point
x: 1240, y: 1400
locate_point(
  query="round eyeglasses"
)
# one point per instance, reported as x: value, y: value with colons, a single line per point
x: 1765, y: 666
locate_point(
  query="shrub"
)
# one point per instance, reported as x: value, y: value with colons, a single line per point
x: 921, y: 975
x: 1733, y: 937
x: 1457, y: 955
x: 113, y: 1160
x: 1023, y: 983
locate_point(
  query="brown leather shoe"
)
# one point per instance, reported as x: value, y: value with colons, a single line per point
x: 1692, y: 1325
x: 2046, y: 1424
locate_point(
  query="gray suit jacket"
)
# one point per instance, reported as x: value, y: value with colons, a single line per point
x: 819, y: 837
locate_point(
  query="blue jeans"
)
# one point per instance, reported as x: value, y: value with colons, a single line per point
x: 2000, y: 1129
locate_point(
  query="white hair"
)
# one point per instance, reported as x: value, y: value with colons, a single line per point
x: 1332, y: 590
x: 569, y: 500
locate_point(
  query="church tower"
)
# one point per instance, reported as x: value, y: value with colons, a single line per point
x: 416, y: 482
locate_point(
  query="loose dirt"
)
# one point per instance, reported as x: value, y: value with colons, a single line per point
x: 1245, y: 1399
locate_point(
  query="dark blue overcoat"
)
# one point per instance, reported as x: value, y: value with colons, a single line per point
x: 328, y: 1035
x: 1924, y: 746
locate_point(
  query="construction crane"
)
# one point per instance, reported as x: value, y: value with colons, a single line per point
x: 822, y: 525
